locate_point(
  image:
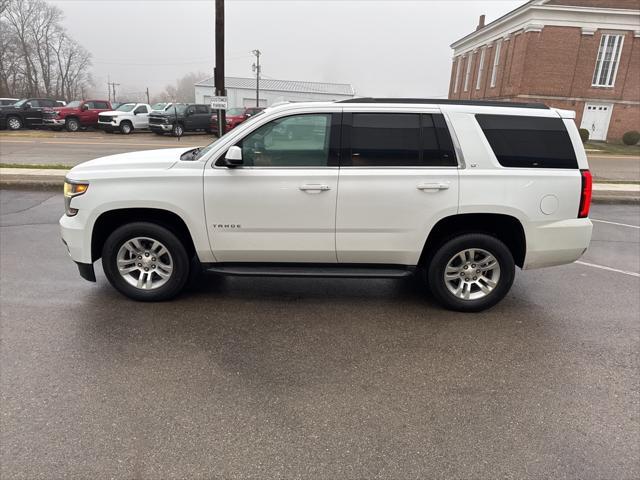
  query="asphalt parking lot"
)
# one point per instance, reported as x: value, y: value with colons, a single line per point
x: 317, y: 378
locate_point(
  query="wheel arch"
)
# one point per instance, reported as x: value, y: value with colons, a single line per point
x: 506, y: 228
x: 108, y: 221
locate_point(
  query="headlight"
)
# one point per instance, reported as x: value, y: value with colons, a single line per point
x: 72, y: 189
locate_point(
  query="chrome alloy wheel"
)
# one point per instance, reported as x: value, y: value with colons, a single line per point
x: 14, y: 123
x: 144, y: 263
x: 472, y: 274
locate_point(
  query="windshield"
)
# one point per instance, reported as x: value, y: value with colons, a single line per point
x: 235, y: 111
x: 203, y: 151
x: 75, y: 103
x: 19, y: 103
x: 126, y: 107
x: 158, y: 106
x: 177, y: 108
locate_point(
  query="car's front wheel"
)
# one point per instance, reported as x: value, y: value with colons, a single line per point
x: 145, y: 262
x: 14, y: 123
x: 72, y: 125
x: 178, y: 130
x: 471, y: 272
x: 126, y: 128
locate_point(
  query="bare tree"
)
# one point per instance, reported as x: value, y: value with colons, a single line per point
x: 183, y: 90
x: 37, y: 57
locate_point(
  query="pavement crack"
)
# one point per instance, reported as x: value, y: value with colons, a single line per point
x: 33, y: 206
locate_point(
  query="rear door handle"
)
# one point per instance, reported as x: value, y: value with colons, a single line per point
x: 433, y: 186
x: 314, y: 187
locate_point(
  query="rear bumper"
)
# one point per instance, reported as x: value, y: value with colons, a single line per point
x: 557, y: 243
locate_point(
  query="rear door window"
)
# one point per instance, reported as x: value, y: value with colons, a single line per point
x: 528, y: 142
x: 397, y: 140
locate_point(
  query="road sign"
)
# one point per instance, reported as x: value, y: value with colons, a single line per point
x: 219, y: 103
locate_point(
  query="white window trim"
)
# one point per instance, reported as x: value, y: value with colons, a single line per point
x: 468, y: 73
x: 456, y: 85
x: 480, y: 68
x: 496, y: 63
x: 614, y: 62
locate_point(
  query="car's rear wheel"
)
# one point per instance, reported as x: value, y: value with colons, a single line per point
x: 72, y: 125
x: 14, y: 123
x: 126, y: 128
x: 145, y: 262
x: 471, y: 272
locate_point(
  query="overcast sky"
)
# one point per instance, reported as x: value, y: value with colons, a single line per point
x: 382, y: 48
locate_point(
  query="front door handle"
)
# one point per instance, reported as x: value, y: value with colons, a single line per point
x: 433, y: 186
x: 314, y: 187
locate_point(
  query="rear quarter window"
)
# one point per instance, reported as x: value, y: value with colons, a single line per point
x: 528, y: 142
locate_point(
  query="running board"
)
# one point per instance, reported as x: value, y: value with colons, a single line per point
x: 280, y: 270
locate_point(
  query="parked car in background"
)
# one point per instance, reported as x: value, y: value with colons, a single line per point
x: 126, y: 118
x: 25, y: 113
x: 234, y: 117
x: 61, y: 103
x: 75, y: 115
x: 7, y: 101
x: 180, y: 118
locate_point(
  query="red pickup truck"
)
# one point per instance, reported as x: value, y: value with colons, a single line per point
x: 76, y: 114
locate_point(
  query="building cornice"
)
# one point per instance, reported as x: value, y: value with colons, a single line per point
x: 534, y: 16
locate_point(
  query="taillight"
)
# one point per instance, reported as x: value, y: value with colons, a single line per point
x: 585, y: 194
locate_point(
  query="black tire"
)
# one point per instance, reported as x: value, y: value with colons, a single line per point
x: 72, y: 125
x: 125, y: 127
x: 446, y: 252
x: 14, y: 123
x: 181, y: 262
x: 178, y: 130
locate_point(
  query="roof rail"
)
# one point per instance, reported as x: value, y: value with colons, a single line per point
x: 446, y: 101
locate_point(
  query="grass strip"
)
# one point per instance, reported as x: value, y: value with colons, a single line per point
x: 42, y: 166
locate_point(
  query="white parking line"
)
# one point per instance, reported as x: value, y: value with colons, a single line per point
x: 615, y: 223
x: 602, y: 267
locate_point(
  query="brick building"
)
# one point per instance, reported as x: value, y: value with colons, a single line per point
x: 582, y: 55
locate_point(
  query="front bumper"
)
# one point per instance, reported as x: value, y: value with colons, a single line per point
x: 54, y: 122
x: 161, y: 127
x: 107, y: 127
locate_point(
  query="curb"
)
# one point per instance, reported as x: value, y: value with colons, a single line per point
x: 54, y: 183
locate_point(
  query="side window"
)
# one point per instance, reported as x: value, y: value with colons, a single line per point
x: 35, y: 103
x: 294, y: 141
x: 191, y: 110
x: 202, y: 109
x: 528, y: 142
x: 141, y: 109
x: 384, y: 139
x: 399, y: 140
x: 91, y: 105
x: 100, y: 105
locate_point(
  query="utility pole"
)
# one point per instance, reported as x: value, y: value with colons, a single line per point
x: 114, y: 85
x: 256, y: 68
x: 148, y: 95
x: 109, y: 87
x: 219, y: 70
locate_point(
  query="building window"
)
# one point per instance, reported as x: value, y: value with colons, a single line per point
x: 458, y: 63
x: 607, y: 62
x: 467, y: 75
x: 496, y: 62
x: 480, y: 69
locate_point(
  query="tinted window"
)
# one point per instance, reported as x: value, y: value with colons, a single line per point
x: 202, y: 109
x: 141, y: 109
x: 100, y: 105
x: 399, y: 140
x: 295, y: 141
x: 34, y: 103
x: 528, y: 142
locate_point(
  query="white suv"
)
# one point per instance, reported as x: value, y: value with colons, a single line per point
x: 462, y: 191
x: 126, y: 118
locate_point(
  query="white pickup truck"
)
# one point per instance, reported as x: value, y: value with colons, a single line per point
x: 462, y: 192
x: 126, y: 118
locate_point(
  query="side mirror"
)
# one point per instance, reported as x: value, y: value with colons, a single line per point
x: 84, y: 107
x: 26, y: 106
x: 233, y: 157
